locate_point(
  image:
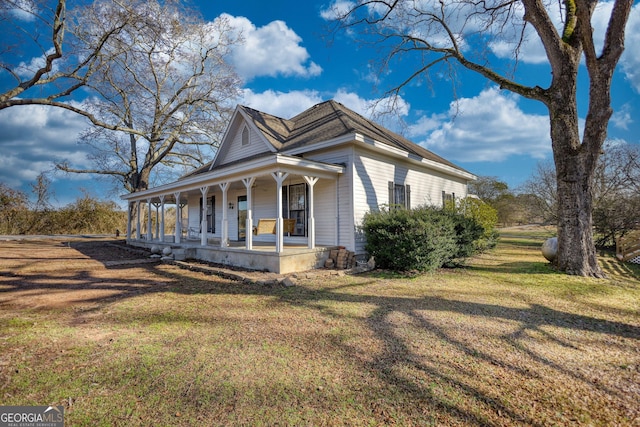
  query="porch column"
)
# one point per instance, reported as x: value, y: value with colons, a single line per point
x: 138, y: 219
x: 178, y: 230
x: 129, y: 208
x: 157, y: 206
x: 203, y: 224
x: 162, y: 218
x: 149, y: 231
x: 279, y: 177
x: 248, y: 183
x: 224, y: 233
x: 311, y: 238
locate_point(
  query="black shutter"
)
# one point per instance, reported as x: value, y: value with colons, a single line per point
x: 391, y: 197
x: 407, y: 199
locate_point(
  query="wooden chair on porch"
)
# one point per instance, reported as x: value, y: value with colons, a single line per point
x: 268, y: 226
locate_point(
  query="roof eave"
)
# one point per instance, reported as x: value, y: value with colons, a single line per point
x: 259, y: 166
x: 370, y: 143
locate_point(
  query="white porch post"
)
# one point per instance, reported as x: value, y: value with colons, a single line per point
x: 203, y: 224
x: 157, y: 206
x: 149, y: 231
x: 138, y: 219
x: 311, y: 181
x: 224, y: 233
x: 129, y: 208
x: 162, y: 218
x: 178, y: 230
x: 248, y: 183
x: 279, y: 177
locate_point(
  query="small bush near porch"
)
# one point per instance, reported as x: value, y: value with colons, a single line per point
x: 421, y: 239
x: 505, y: 341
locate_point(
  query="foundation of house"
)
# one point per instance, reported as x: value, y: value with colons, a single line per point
x: 262, y: 257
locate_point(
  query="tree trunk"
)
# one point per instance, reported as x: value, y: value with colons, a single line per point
x: 575, y: 167
x: 576, y: 250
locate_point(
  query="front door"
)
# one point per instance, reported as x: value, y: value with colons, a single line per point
x: 242, y: 218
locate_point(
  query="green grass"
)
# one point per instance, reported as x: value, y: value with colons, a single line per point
x: 505, y: 341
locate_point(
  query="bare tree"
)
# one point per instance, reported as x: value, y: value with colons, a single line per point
x: 445, y: 32
x: 57, y: 70
x: 542, y: 185
x: 616, y: 196
x: 165, y: 89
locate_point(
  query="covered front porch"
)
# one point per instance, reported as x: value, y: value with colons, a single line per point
x: 276, y: 213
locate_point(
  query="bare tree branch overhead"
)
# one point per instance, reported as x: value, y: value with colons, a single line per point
x: 156, y: 83
x: 60, y: 69
x: 163, y: 89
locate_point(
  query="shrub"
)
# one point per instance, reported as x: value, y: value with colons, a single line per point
x: 467, y: 233
x: 422, y: 239
x: 483, y: 215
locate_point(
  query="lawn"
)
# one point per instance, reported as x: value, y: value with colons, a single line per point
x: 503, y: 341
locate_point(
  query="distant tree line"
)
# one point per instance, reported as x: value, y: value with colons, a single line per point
x: 616, y: 195
x: 86, y: 215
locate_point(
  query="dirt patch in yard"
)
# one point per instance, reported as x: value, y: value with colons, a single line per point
x: 59, y: 273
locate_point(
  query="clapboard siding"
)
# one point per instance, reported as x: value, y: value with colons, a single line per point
x: 342, y: 204
x: 371, y: 184
x: 325, y: 212
x: 264, y: 206
x: 234, y: 149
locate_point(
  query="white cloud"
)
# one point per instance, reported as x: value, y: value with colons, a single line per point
x: 622, y: 117
x: 488, y: 127
x: 289, y: 104
x: 337, y: 9
x: 28, y: 69
x: 630, y: 61
x: 33, y: 138
x: 24, y: 10
x: 281, y: 104
x: 532, y: 50
x: 271, y: 50
x: 426, y: 124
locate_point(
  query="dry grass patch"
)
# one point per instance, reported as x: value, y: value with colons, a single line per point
x: 505, y: 341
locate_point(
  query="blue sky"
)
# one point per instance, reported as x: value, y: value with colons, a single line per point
x: 289, y: 63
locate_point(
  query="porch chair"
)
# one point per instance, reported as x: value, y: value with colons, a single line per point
x: 268, y: 226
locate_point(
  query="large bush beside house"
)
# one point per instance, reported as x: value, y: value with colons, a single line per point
x: 421, y: 239
x: 483, y: 215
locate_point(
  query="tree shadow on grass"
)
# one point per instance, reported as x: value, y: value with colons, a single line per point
x: 396, y: 353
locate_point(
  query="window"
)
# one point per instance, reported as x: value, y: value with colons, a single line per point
x: 399, y: 196
x: 211, y: 214
x: 447, y: 198
x: 245, y: 136
x: 297, y: 208
x: 294, y: 206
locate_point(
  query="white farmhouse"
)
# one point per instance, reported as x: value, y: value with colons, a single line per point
x: 281, y: 193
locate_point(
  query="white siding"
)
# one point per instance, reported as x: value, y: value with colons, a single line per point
x: 264, y: 206
x: 234, y: 150
x: 371, y: 184
x: 336, y: 209
x: 193, y: 210
x: 325, y: 212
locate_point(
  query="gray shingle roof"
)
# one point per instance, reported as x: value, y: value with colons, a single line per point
x: 323, y: 122
x: 329, y: 120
